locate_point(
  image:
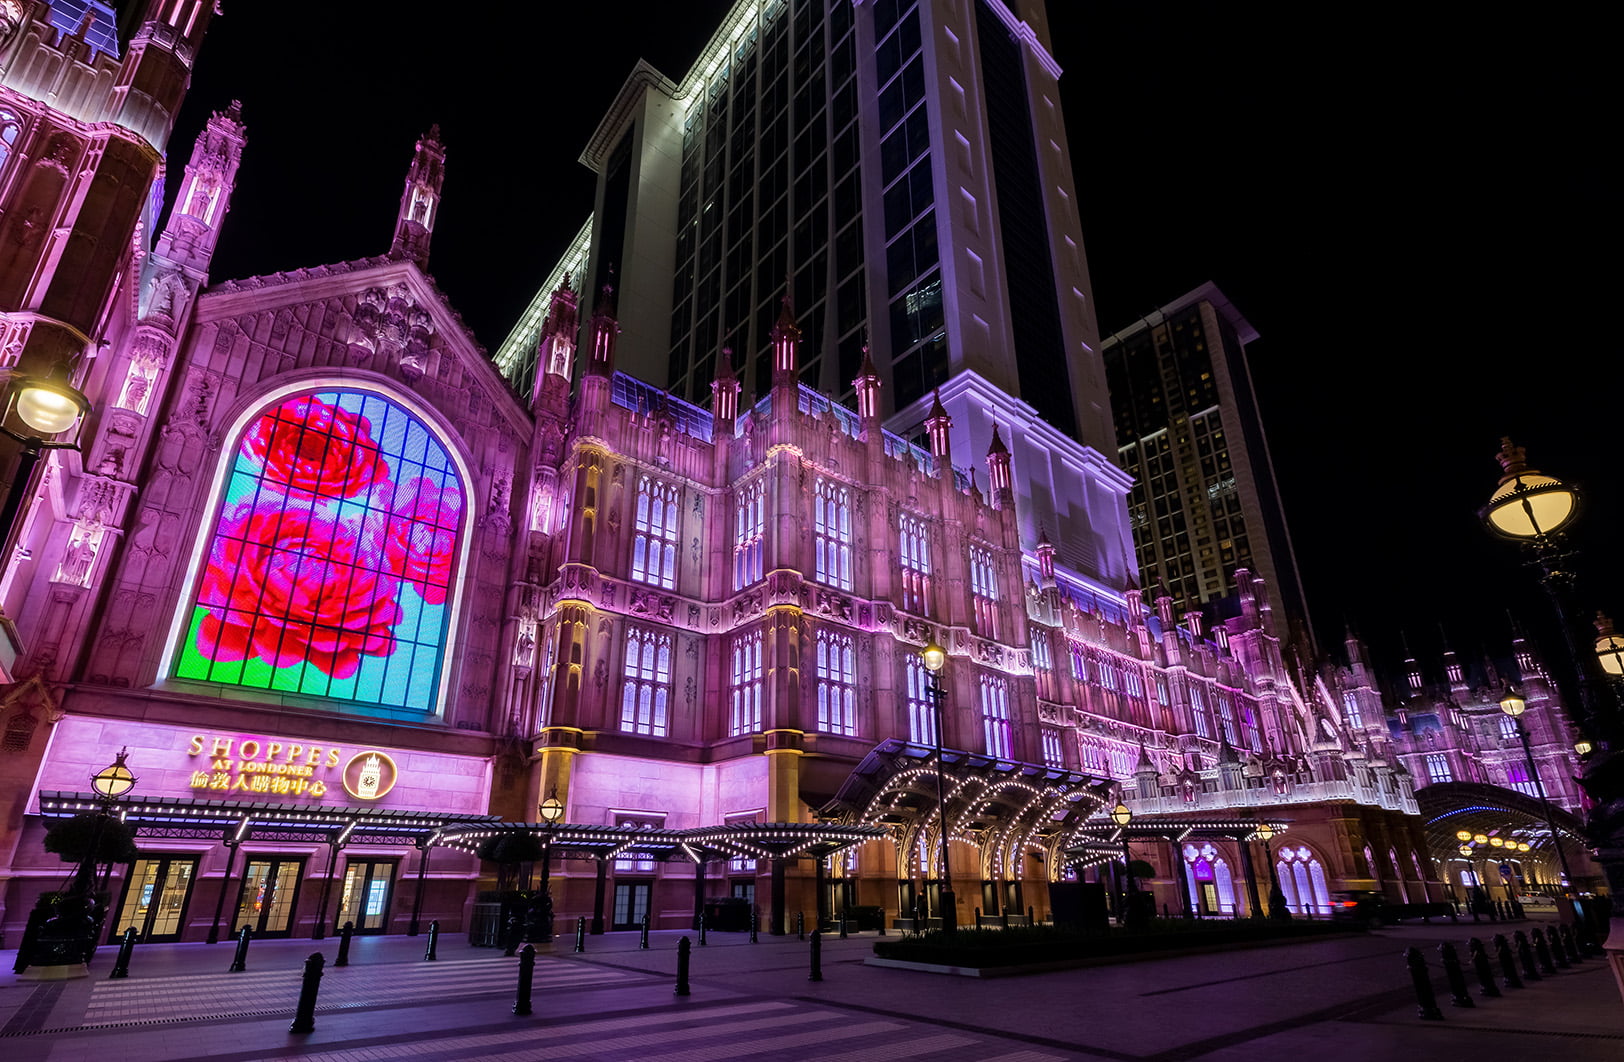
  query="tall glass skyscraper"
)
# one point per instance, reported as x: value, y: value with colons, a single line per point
x: 900, y: 170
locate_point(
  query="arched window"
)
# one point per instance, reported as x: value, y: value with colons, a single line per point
x: 10, y: 127
x: 1208, y: 879
x: 1302, y: 879
x: 333, y: 556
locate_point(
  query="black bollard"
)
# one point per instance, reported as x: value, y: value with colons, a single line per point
x: 1456, y: 977
x: 433, y: 952
x: 843, y: 925
x: 800, y: 925
x: 1426, y: 1002
x: 1517, y: 909
x: 1480, y: 965
x: 702, y: 931
x: 344, y: 936
x: 817, y: 956
x: 1508, y: 965
x: 239, y: 961
x: 753, y: 920
x: 121, y: 967
x: 684, y: 951
x: 1525, y: 955
x: 513, y: 935
x: 580, y: 935
x: 642, y: 944
x: 1567, y: 943
x: 1542, y: 951
x: 527, y: 977
x: 304, y: 1019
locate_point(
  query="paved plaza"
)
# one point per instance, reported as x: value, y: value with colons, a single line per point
x: 1346, y: 998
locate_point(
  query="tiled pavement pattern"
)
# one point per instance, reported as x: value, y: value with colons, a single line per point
x: 277, y: 991
x: 761, y: 1029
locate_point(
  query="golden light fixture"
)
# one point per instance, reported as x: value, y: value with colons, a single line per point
x: 1609, y: 647
x: 1463, y: 835
x: 1121, y: 815
x: 1528, y: 505
x: 935, y: 657
x: 1512, y: 704
x: 114, y: 780
x: 1480, y: 838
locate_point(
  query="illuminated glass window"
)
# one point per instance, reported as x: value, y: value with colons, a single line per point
x: 1079, y: 667
x: 837, y: 683
x: 333, y: 556
x: 646, y: 695
x: 749, y: 534
x: 984, y: 591
x: 831, y: 531
x: 1518, y: 778
x: 10, y: 126
x: 1226, y: 716
x: 995, y: 716
x: 1054, y: 752
x: 1350, y: 710
x: 914, y: 553
x: 655, y: 541
x: 1040, y: 650
x: 921, y: 710
x: 1438, y: 769
x: 1198, y: 710
x: 746, y: 685
x: 1508, y: 728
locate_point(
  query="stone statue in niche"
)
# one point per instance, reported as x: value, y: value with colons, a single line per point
x: 525, y: 648
x: 501, y: 487
x: 688, y: 691
x: 600, y: 673
x: 80, y: 558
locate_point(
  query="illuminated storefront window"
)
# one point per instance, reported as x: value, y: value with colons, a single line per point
x: 332, y: 557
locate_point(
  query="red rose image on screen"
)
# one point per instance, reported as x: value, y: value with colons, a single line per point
x: 420, y: 544
x: 290, y: 587
x: 310, y: 447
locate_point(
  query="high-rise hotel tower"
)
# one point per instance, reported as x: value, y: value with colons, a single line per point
x: 900, y: 169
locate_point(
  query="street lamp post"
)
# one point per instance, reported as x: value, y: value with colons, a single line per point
x: 1121, y: 815
x: 935, y: 658
x: 551, y: 811
x: 1514, y: 706
x: 1277, y: 896
x: 48, y: 406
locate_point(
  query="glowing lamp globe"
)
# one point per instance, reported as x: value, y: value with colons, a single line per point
x: 1527, y: 505
x: 1609, y: 647
x: 49, y: 405
x: 1480, y: 838
x: 1121, y: 815
x: 552, y: 809
x: 114, y: 780
x: 1465, y: 849
x: 1266, y: 832
x: 1512, y: 704
x: 1523, y: 846
x: 1463, y: 835
x: 935, y: 657
x: 1498, y: 842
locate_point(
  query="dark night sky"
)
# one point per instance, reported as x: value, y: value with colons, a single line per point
x: 1409, y: 209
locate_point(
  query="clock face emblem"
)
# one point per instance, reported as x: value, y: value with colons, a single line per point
x: 370, y: 775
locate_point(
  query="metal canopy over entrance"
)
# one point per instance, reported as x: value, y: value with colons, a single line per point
x: 1496, y: 812
x: 1003, y: 807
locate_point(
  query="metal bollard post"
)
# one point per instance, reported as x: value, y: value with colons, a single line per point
x: 513, y: 935
x: 1479, y: 956
x: 643, y: 943
x: 344, y: 936
x: 1426, y: 1002
x: 842, y: 925
x: 304, y: 1019
x: 527, y: 977
x: 432, y: 953
x: 684, y: 951
x: 1508, y: 965
x: 239, y: 961
x: 1569, y: 941
x: 817, y: 956
x: 1525, y: 955
x: 754, y: 918
x: 580, y: 935
x: 702, y: 931
x: 1542, y: 951
x: 1457, y: 978
x: 121, y: 967
x: 800, y: 925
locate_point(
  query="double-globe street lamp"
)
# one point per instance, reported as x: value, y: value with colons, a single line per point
x: 1122, y: 815
x: 1513, y: 705
x: 935, y: 658
x: 1534, y: 510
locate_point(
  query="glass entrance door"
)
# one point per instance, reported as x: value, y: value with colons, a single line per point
x: 365, y: 896
x: 155, y: 898
x: 269, y: 896
x: 631, y: 904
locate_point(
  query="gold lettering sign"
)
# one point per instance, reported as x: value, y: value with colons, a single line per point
x: 262, y: 766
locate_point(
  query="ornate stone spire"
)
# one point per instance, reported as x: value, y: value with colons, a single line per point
x: 420, y: 202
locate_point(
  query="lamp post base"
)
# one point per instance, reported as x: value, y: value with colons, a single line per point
x: 950, y: 912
